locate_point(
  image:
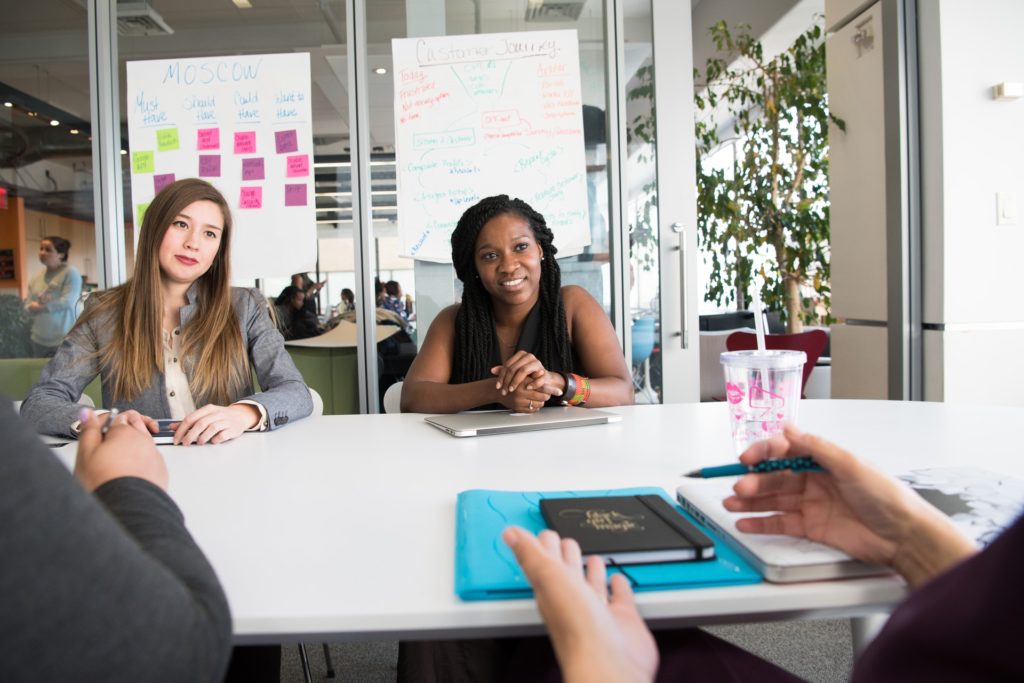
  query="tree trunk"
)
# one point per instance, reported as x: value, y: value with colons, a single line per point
x: 794, y: 306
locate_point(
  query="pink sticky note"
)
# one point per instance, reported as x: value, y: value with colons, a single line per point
x: 287, y: 141
x: 295, y: 195
x: 251, y: 198
x: 245, y: 142
x: 252, y: 169
x: 209, y: 165
x: 208, y: 138
x: 162, y: 180
x: 298, y: 166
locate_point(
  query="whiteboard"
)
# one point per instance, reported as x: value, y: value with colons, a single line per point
x: 244, y: 124
x: 482, y: 115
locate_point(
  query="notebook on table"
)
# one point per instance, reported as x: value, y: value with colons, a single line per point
x: 505, y: 422
x: 486, y: 569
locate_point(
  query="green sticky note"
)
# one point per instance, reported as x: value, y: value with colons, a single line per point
x: 167, y: 139
x: 142, y: 162
x: 140, y: 211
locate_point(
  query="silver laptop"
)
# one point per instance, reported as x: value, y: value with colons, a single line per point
x: 504, y: 422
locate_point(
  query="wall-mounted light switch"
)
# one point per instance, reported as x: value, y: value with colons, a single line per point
x: 1006, y: 208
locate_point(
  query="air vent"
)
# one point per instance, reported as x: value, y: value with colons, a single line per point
x: 554, y: 10
x: 137, y: 18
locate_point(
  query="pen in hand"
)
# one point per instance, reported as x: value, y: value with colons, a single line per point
x: 110, y: 420
x: 804, y: 464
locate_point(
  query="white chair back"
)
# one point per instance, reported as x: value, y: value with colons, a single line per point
x: 393, y: 398
x: 318, y: 402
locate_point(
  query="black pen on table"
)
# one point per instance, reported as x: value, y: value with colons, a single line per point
x: 110, y: 420
x: 804, y: 464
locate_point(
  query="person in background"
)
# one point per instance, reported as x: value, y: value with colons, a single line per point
x: 100, y: 579
x: 961, y: 621
x: 348, y: 301
x: 176, y: 340
x: 394, y: 301
x: 52, y: 297
x: 294, y: 319
x: 518, y: 339
x: 310, y: 289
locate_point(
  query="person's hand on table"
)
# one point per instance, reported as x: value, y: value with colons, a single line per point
x: 598, y: 635
x: 216, y: 424
x: 523, y: 378
x: 851, y: 506
x: 127, y: 450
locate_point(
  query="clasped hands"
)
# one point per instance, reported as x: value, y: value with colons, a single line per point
x: 524, y: 385
x: 209, y: 424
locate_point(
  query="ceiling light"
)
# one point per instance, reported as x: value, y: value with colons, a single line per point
x: 31, y: 113
x: 242, y: 4
x: 54, y: 122
x: 380, y: 71
x: 73, y: 131
x: 8, y: 104
x: 123, y: 151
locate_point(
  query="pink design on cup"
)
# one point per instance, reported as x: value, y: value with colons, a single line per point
x: 733, y: 392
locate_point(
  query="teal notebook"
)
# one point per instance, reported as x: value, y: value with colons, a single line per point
x: 485, y: 568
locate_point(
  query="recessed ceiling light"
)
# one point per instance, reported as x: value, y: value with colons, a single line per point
x: 8, y: 104
x: 123, y: 151
x: 31, y: 113
x: 73, y: 131
x: 380, y: 70
x: 54, y: 122
x: 242, y: 4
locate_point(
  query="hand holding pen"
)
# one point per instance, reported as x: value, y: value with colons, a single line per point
x: 802, y: 464
x: 848, y: 505
x: 109, y: 450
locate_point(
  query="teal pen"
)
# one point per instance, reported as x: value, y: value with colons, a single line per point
x: 805, y: 464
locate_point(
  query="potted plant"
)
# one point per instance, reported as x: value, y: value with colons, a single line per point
x: 768, y: 214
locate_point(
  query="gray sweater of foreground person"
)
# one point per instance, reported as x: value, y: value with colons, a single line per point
x: 102, y: 587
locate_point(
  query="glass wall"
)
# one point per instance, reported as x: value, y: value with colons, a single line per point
x: 46, y: 181
x: 45, y: 168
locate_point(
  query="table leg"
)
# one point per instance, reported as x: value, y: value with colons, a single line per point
x: 864, y: 629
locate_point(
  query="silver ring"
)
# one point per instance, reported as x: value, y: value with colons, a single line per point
x: 531, y: 405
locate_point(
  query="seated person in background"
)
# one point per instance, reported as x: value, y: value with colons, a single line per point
x: 960, y: 623
x: 518, y: 338
x: 393, y: 300
x: 348, y: 301
x: 102, y: 587
x: 304, y: 283
x: 294, y: 319
x: 176, y: 340
x: 52, y: 297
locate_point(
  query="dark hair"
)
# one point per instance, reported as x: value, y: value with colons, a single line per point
x: 392, y: 287
x: 474, y: 323
x: 348, y: 295
x: 60, y: 245
x: 287, y: 294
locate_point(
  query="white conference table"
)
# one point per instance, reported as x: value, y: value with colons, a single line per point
x: 342, y: 528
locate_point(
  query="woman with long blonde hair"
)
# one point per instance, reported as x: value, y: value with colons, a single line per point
x: 176, y: 340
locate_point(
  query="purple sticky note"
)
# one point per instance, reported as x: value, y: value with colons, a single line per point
x: 295, y: 195
x: 209, y: 165
x: 287, y: 141
x: 252, y: 169
x: 298, y: 166
x: 245, y: 142
x: 208, y: 138
x: 162, y: 180
x: 251, y: 198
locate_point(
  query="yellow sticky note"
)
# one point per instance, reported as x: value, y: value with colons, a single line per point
x: 142, y: 162
x: 167, y: 139
x: 140, y: 211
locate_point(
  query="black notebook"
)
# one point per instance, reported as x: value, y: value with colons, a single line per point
x: 642, y: 529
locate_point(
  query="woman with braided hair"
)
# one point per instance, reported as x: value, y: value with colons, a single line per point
x: 518, y: 339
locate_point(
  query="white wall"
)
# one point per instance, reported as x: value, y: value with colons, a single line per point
x: 972, y: 148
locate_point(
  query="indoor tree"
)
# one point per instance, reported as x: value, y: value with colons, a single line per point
x: 767, y: 213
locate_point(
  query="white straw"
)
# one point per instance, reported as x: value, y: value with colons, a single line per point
x: 758, y: 318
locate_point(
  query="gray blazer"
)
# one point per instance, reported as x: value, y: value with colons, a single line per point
x: 50, y: 407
